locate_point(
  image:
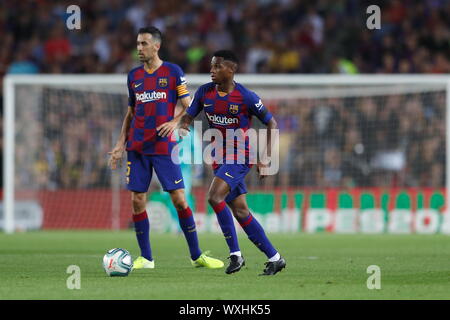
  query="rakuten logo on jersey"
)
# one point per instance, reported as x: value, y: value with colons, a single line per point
x: 221, y: 120
x: 150, y: 96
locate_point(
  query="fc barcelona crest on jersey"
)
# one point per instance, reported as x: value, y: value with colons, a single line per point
x: 233, y: 108
x: 163, y: 82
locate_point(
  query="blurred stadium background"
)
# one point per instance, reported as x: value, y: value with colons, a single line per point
x: 354, y: 158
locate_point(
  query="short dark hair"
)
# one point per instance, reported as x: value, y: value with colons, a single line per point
x: 226, y: 55
x: 156, y: 34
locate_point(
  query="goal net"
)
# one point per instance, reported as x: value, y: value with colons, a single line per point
x: 356, y: 154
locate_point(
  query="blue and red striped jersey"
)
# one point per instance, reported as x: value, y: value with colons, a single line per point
x: 154, y: 96
x: 229, y: 111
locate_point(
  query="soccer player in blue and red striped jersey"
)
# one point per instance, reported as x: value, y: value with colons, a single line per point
x: 229, y: 107
x: 153, y: 90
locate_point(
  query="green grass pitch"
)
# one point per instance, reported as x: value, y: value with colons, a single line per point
x: 319, y: 266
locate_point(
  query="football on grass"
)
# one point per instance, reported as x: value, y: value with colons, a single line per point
x: 117, y: 262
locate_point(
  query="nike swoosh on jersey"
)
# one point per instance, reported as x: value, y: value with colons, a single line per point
x: 207, y: 105
x: 178, y: 181
x: 228, y: 175
x: 137, y: 85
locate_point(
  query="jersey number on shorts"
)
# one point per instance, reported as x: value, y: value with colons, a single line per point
x: 128, y: 171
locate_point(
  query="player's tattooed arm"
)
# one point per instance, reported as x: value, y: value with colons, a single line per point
x: 184, y: 123
x: 166, y: 129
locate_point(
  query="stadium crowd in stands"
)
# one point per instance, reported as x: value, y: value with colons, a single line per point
x: 269, y: 36
x: 362, y: 141
x: 286, y: 36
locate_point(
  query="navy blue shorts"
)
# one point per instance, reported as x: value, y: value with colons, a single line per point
x: 140, y: 169
x: 234, y: 176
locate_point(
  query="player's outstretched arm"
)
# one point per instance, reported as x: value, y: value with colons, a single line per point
x: 272, y: 124
x: 117, y: 153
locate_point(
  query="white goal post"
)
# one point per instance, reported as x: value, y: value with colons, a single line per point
x: 287, y: 85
